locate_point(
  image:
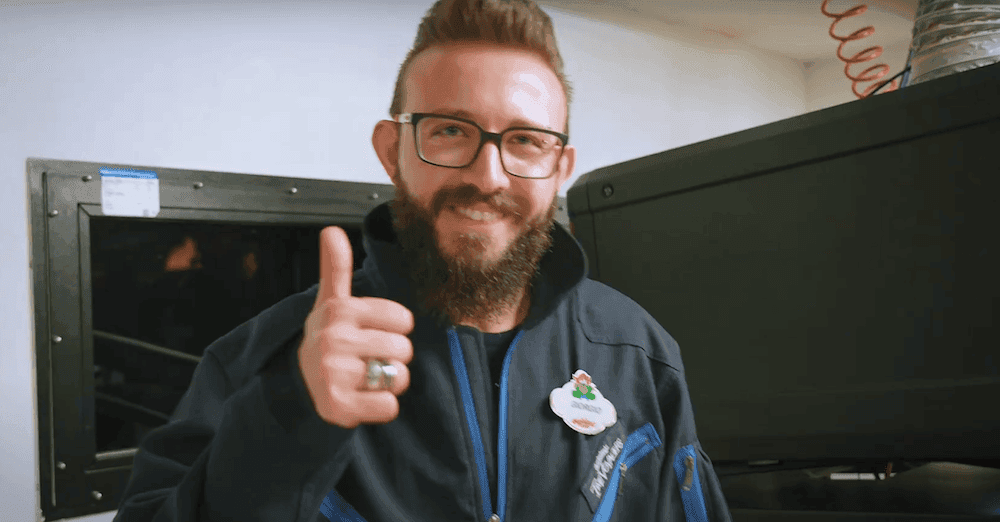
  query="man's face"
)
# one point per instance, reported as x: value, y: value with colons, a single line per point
x: 482, y: 264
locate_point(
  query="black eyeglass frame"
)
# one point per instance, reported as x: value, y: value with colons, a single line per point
x: 484, y: 136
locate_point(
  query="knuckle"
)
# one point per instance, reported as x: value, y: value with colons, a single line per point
x: 348, y: 372
x: 330, y: 323
x: 404, y: 349
x: 403, y: 383
x: 342, y: 411
x: 407, y: 317
x: 393, y: 407
x: 390, y: 408
x: 336, y: 400
x: 394, y: 347
x: 341, y: 309
x: 335, y: 366
x: 339, y: 334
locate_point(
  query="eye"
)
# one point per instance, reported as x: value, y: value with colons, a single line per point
x: 451, y: 130
x: 522, y: 139
x: 447, y: 130
x: 531, y: 141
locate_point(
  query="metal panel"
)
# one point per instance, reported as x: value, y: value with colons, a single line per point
x: 931, y: 107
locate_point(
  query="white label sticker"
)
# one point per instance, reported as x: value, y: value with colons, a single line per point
x: 126, y: 192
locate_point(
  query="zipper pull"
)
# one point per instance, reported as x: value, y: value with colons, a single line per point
x: 689, y: 477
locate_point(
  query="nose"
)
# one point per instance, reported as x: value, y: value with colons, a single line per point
x: 486, y: 172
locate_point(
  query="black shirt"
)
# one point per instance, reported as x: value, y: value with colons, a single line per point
x: 496, y: 349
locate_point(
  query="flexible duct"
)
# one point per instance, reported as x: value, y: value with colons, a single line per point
x: 952, y: 36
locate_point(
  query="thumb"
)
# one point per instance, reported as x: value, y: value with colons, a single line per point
x: 336, y: 264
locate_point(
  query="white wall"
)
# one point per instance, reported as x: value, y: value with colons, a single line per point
x: 637, y: 93
x: 294, y: 89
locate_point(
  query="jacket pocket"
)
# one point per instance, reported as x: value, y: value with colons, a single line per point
x: 686, y: 468
x: 639, y: 444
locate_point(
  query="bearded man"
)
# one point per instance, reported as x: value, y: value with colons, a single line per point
x: 437, y: 382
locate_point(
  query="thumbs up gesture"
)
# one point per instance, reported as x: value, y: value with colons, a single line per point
x: 342, y: 334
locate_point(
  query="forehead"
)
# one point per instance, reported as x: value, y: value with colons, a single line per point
x: 498, y: 86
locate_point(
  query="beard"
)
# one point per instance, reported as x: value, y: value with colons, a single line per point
x: 467, y: 286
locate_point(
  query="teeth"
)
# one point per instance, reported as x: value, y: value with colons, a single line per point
x: 478, y: 216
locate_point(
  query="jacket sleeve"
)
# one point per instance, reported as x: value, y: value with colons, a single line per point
x: 254, y: 452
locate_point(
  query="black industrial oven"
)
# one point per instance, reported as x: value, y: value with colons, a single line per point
x: 832, y: 282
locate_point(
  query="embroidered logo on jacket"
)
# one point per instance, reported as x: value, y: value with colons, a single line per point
x: 606, y: 452
x: 603, y: 465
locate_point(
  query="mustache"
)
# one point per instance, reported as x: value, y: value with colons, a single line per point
x: 468, y: 195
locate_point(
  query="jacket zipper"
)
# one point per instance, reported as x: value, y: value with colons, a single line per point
x: 336, y: 509
x: 465, y: 389
x: 686, y: 469
x: 639, y: 444
x: 502, y: 433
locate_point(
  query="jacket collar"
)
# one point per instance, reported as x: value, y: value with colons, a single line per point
x: 562, y: 267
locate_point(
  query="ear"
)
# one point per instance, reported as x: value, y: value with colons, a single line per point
x: 385, y: 139
x: 566, y: 164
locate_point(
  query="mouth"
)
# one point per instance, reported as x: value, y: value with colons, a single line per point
x: 479, y: 216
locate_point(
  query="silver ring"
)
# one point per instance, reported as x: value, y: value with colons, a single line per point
x: 379, y: 375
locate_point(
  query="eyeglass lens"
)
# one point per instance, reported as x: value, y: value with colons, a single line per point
x: 454, y: 143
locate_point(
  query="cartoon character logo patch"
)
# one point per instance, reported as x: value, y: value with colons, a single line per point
x: 581, y: 406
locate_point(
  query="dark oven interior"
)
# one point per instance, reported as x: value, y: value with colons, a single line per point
x: 163, y: 291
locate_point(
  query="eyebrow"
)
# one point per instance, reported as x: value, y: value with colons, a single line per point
x: 462, y: 113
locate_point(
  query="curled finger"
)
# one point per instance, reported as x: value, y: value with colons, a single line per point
x: 376, y: 407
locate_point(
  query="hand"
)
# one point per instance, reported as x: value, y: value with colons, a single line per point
x: 342, y: 333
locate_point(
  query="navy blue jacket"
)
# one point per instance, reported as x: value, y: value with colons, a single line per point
x: 245, y: 444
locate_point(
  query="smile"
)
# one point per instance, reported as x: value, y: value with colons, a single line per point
x: 476, y: 215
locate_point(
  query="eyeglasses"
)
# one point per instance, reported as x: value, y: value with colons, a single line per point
x: 447, y: 141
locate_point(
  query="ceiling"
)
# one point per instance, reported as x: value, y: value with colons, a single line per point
x: 793, y: 28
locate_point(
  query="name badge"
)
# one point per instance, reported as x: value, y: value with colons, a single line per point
x: 581, y: 406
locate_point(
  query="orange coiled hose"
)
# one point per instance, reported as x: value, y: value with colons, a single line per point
x: 873, y: 73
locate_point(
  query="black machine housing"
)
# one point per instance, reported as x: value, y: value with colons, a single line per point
x: 832, y: 281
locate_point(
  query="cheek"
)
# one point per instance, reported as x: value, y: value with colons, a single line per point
x: 418, y: 185
x: 540, y: 204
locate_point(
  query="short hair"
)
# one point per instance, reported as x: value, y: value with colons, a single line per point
x: 518, y: 24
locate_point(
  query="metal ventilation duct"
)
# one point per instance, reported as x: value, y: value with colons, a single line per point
x: 951, y: 36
